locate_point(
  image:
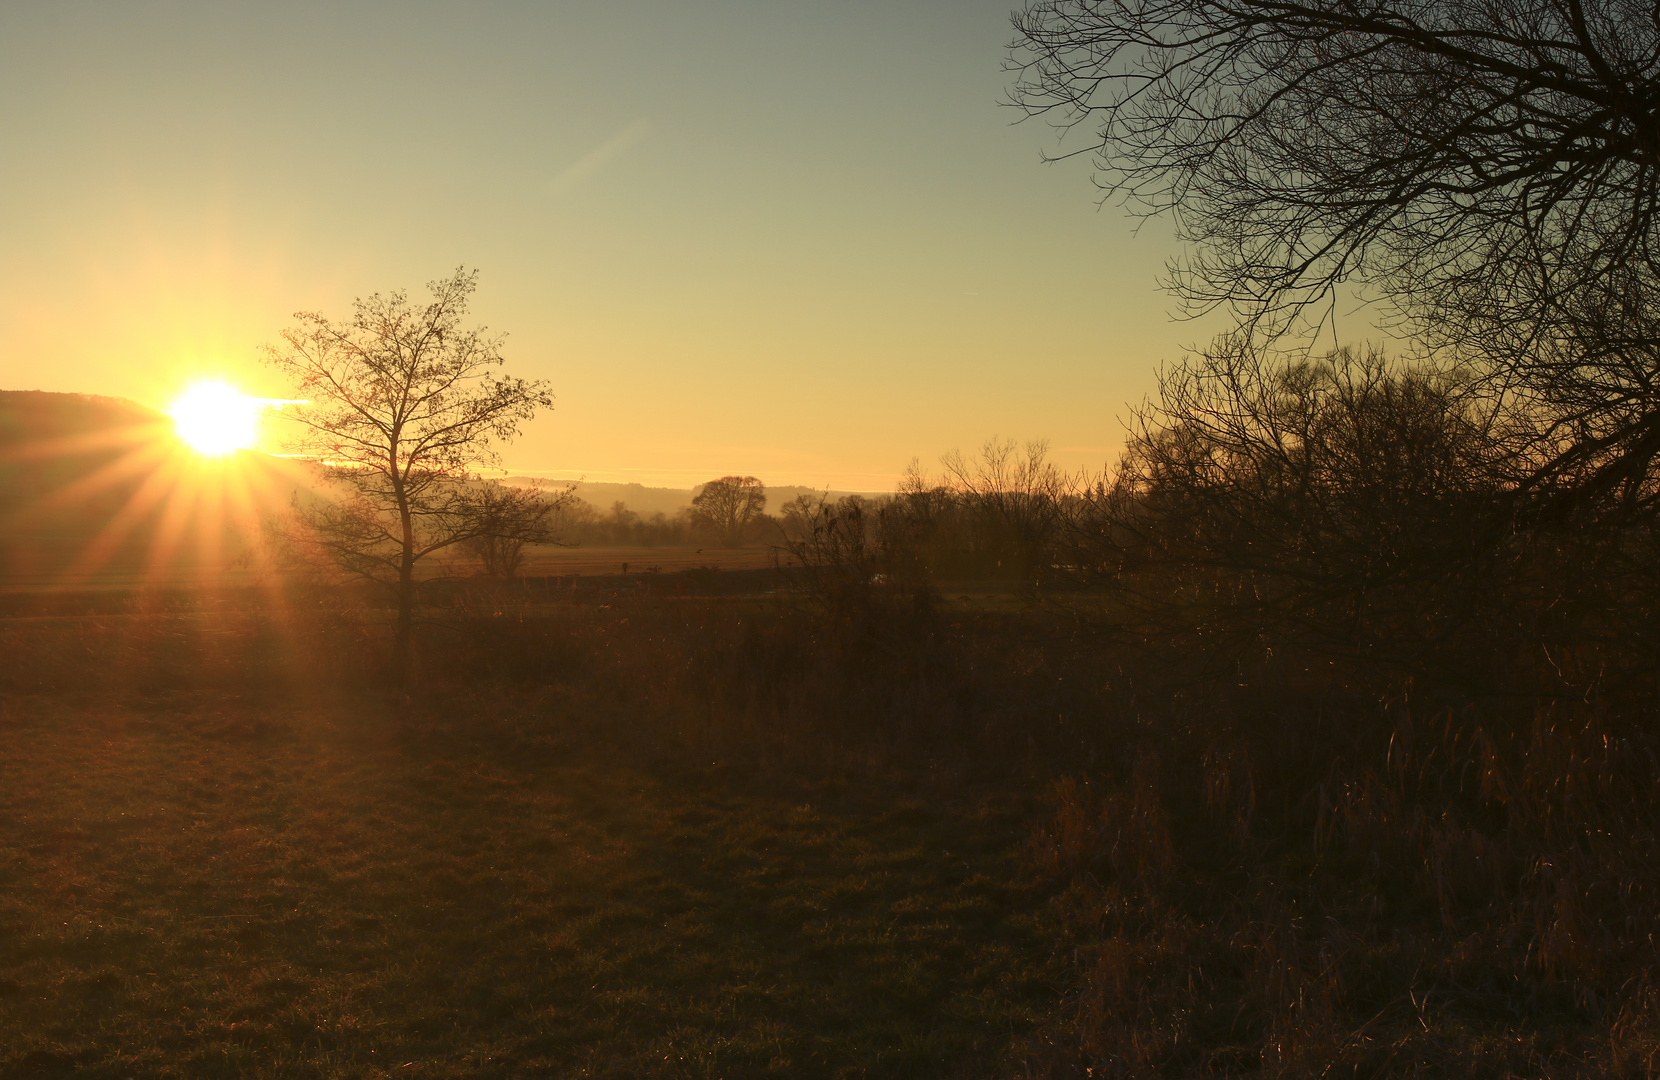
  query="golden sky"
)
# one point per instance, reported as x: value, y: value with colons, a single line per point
x: 798, y: 240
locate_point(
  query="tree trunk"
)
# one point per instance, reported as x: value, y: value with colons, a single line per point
x: 405, y: 629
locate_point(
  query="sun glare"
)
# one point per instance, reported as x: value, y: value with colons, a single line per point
x: 215, y: 418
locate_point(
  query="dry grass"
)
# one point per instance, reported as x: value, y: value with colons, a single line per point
x: 225, y: 854
x: 1278, y: 889
x: 639, y: 834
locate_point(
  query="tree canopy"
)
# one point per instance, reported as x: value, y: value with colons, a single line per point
x: 403, y: 406
x: 1485, y: 169
x: 728, y: 506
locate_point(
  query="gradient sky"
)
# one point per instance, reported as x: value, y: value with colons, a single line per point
x: 799, y: 240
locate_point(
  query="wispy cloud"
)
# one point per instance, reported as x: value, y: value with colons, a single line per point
x: 600, y: 156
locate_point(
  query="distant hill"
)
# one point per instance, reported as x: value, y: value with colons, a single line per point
x: 38, y: 416
x: 96, y: 489
x: 646, y: 501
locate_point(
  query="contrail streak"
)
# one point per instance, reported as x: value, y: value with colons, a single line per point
x: 601, y: 156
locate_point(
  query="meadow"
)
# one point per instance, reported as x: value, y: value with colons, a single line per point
x: 230, y: 850
x: 713, y: 825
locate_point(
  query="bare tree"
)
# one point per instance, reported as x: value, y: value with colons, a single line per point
x: 998, y: 514
x: 502, y: 514
x: 839, y: 550
x: 729, y: 505
x: 1485, y: 169
x: 1345, y: 504
x: 402, y: 407
x: 797, y: 517
x: 1015, y: 499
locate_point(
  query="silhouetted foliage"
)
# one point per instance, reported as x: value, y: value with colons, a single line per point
x: 580, y: 522
x: 994, y: 517
x: 1343, y: 504
x: 1486, y: 170
x: 403, y: 406
x: 501, y: 536
x: 1359, y: 508
x: 729, y: 507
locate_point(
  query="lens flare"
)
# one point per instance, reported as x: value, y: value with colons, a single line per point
x: 215, y: 418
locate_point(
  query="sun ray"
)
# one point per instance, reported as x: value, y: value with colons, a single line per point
x: 210, y: 527
x: 153, y: 503
x: 140, y: 461
x: 177, y: 506
x: 132, y: 435
x: 98, y: 552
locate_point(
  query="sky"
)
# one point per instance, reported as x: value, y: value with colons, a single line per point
x: 802, y: 241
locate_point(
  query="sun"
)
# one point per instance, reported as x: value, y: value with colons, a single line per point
x: 215, y: 418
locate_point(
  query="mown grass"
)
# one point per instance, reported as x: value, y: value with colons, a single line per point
x: 209, y: 866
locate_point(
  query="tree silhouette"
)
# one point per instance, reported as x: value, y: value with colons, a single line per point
x: 1486, y: 170
x: 402, y: 407
x: 728, y: 505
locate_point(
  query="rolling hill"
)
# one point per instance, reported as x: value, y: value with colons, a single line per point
x: 96, y: 491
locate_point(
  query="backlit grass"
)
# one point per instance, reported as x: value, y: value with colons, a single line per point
x: 196, y: 885
x: 640, y: 834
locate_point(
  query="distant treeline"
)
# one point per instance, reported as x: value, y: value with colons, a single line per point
x: 951, y: 529
x: 1349, y: 507
x: 584, y: 524
x: 725, y: 512
x: 666, y: 517
x: 1365, y: 674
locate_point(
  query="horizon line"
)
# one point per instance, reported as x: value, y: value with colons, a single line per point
x: 684, y: 479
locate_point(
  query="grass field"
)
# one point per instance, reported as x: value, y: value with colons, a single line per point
x: 205, y: 873
x: 190, y: 572
x: 544, y: 561
x: 647, y: 832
